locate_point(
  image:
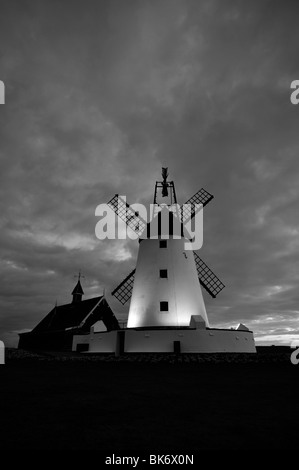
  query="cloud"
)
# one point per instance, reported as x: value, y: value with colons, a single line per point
x: 99, y: 96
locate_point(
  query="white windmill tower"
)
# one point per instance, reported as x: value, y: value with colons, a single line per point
x: 166, y: 285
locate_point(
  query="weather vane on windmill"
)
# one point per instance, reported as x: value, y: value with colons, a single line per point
x: 164, y: 185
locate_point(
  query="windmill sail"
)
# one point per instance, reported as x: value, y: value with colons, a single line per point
x: 201, y: 197
x: 207, y: 278
x: 123, y: 291
x: 127, y: 214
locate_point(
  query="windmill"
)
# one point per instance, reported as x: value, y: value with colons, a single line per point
x: 165, y: 287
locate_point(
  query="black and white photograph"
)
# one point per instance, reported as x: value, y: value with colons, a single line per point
x: 149, y: 227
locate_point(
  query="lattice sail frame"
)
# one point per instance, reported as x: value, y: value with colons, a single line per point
x: 207, y: 278
x: 123, y: 291
x: 124, y: 211
x: 137, y: 224
x: 201, y: 197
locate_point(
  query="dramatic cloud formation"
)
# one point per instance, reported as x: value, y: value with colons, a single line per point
x: 99, y: 95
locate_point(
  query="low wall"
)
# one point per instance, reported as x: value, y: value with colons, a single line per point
x: 190, y: 341
x: 98, y: 342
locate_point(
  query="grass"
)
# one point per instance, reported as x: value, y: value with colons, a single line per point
x: 117, y: 405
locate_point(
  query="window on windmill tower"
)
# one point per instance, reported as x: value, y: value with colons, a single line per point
x: 163, y: 244
x: 163, y: 273
x: 163, y: 306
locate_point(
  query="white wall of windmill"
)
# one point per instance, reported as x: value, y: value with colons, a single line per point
x: 191, y: 341
x: 181, y: 289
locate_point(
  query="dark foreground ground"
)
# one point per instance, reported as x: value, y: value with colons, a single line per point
x: 149, y: 404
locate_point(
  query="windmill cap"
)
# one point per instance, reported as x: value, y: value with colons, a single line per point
x: 166, y: 222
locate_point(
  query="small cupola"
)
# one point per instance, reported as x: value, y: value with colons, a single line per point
x: 77, y: 292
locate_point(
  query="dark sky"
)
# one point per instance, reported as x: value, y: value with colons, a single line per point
x: 100, y: 95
